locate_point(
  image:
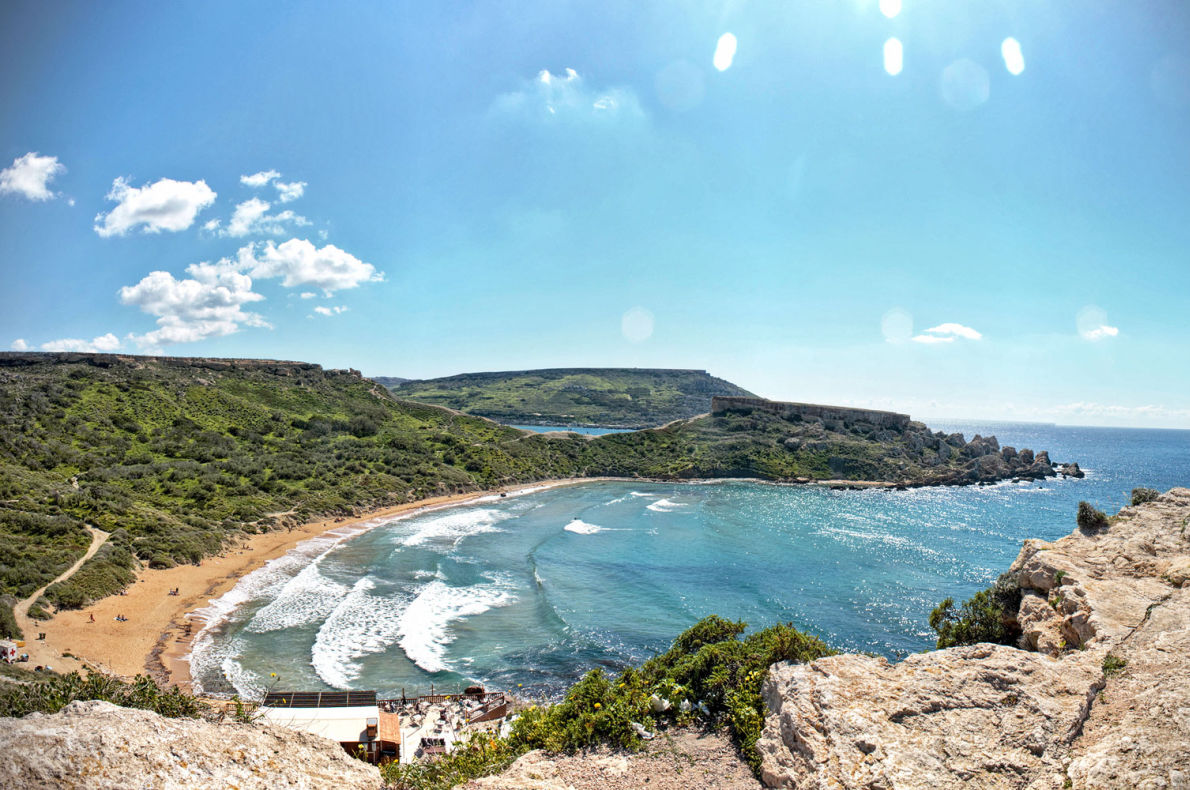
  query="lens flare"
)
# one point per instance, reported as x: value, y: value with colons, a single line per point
x: 894, y: 56
x: 1014, y: 60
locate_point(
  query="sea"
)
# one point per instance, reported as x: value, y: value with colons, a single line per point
x: 529, y: 591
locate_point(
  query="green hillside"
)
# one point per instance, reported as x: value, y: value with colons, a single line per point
x: 175, y: 457
x: 607, y: 397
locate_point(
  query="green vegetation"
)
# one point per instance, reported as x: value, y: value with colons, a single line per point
x: 710, y: 675
x: 609, y: 397
x: 8, y: 623
x: 988, y: 616
x: 175, y: 458
x: 1089, y: 517
x: 1113, y: 664
x: 1142, y: 495
x: 51, y: 694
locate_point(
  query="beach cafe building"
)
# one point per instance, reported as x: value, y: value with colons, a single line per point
x: 353, y: 718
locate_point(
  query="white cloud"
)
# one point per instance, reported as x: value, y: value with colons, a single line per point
x: 947, y: 333
x: 290, y: 191
x: 330, y: 310
x: 30, y: 176
x: 308, y: 294
x: 208, y: 304
x: 299, y: 262
x: 257, y: 180
x: 212, y: 225
x: 1091, y: 322
x: 566, y: 98
x: 108, y: 342
x: 164, y: 205
x: 251, y: 217
x: 1100, y: 332
x: 20, y: 345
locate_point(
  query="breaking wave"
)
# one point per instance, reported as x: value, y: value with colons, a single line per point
x: 425, y: 624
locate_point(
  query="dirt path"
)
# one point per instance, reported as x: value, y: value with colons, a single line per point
x: 39, y: 652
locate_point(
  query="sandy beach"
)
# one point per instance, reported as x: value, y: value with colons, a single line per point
x: 153, y: 639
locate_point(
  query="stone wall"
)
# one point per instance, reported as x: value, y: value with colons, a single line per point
x: 812, y: 411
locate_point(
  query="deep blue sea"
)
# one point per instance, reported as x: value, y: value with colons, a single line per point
x: 533, y: 590
x: 573, y: 429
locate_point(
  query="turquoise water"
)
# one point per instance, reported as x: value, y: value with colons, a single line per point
x: 571, y: 428
x: 538, y: 588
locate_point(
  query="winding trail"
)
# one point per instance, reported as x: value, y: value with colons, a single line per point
x: 21, y: 611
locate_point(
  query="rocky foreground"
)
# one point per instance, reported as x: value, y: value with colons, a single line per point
x: 101, y: 746
x: 1097, y: 696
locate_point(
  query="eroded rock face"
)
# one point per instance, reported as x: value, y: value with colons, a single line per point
x: 99, y: 745
x: 990, y: 716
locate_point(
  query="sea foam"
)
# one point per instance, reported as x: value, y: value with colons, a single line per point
x: 306, y: 598
x: 361, y: 624
x: 582, y: 527
x: 450, y: 529
x: 664, y: 505
x: 425, y: 624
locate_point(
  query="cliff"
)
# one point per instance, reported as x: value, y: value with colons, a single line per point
x: 98, y: 745
x: 1097, y: 696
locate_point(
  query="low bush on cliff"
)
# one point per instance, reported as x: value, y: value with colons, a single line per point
x: 1142, y: 495
x: 987, y: 616
x: 1089, y: 517
x: 56, y: 692
x: 710, y: 675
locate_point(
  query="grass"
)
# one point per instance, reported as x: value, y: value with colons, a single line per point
x: 710, y: 676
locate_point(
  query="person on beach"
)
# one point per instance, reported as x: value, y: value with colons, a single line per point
x: 92, y: 617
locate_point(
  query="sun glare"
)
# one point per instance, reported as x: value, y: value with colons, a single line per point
x: 894, y: 56
x: 724, y: 52
x: 1014, y: 60
x: 890, y: 8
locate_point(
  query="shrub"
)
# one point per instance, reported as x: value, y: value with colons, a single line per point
x: 988, y: 616
x: 1143, y: 495
x: 709, y: 668
x: 8, y: 622
x: 56, y: 692
x: 1113, y: 664
x: 1089, y: 517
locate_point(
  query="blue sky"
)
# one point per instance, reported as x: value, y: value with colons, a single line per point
x: 431, y: 188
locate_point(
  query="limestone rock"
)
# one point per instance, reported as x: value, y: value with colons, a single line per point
x: 934, y: 720
x: 992, y: 716
x: 100, y: 745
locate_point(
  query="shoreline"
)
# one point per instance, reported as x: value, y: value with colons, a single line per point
x: 154, y: 639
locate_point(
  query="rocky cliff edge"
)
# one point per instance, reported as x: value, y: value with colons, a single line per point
x: 100, y: 745
x: 1097, y: 696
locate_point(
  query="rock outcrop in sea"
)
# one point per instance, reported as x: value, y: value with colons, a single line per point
x: 1096, y: 696
x: 98, y: 745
